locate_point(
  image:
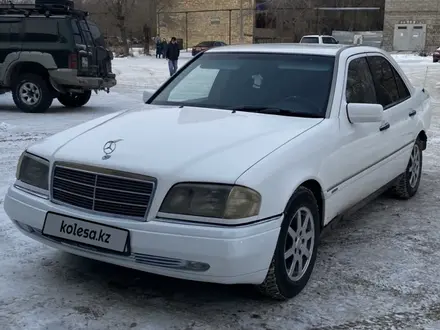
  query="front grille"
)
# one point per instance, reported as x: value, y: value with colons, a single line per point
x: 99, y: 192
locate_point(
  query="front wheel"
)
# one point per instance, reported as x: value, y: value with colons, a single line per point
x: 296, y: 249
x: 409, y: 181
x: 74, y: 100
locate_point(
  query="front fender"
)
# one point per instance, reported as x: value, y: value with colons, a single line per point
x: 278, y: 175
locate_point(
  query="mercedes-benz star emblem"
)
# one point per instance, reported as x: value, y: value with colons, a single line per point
x: 109, y: 147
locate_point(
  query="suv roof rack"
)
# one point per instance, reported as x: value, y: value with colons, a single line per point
x: 44, y: 9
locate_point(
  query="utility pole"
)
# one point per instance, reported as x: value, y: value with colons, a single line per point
x: 241, y: 22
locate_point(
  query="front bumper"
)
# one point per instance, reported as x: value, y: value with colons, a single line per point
x: 69, y: 77
x: 237, y: 255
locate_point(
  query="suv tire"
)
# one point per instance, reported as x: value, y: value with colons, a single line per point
x: 31, y: 93
x: 75, y: 100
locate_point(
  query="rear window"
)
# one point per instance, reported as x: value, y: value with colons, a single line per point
x: 96, y: 34
x: 310, y: 40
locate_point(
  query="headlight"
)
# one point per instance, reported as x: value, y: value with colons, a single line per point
x: 33, y: 171
x: 212, y: 200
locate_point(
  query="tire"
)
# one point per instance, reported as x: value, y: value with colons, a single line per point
x: 31, y: 93
x: 75, y: 100
x: 278, y: 284
x: 435, y: 61
x: 409, y: 181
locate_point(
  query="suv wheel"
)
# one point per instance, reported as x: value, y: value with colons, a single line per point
x: 75, y: 100
x: 31, y: 93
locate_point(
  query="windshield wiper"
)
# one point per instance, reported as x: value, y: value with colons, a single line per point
x: 275, y: 111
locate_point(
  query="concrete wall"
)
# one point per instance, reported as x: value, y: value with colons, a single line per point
x: 206, y: 20
x: 421, y: 11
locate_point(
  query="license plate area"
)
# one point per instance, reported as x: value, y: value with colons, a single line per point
x: 87, y: 234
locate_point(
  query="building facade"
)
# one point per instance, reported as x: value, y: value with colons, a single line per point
x: 194, y: 21
x: 255, y: 21
x: 411, y: 25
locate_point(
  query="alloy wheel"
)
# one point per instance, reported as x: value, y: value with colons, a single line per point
x: 299, y: 244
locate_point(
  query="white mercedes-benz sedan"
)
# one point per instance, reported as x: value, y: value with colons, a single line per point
x: 234, y: 168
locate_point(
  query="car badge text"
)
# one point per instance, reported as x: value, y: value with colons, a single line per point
x: 109, y: 148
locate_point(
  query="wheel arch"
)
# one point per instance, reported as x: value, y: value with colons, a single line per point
x: 315, y: 187
x: 26, y: 67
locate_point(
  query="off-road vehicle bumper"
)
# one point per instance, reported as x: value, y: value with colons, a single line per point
x: 69, y: 77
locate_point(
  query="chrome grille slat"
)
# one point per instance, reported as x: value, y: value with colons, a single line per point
x: 71, y: 181
x: 104, y: 193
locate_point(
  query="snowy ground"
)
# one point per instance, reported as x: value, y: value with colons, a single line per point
x: 378, y: 270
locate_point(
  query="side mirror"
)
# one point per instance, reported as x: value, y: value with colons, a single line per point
x: 364, y: 113
x: 146, y: 96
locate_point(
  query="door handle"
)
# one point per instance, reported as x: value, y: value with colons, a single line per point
x: 412, y: 113
x: 384, y: 127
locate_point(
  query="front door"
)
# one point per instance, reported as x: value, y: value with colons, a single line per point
x: 352, y: 167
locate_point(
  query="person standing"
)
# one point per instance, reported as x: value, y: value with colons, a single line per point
x: 164, y: 47
x: 172, y: 54
x: 158, y: 47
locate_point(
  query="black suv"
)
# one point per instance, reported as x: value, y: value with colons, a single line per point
x: 51, y: 51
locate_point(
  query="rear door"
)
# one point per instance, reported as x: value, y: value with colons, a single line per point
x: 43, y: 34
x: 103, y: 56
x: 10, y: 41
x: 398, y: 105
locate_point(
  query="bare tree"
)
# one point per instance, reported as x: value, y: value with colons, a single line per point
x: 120, y: 10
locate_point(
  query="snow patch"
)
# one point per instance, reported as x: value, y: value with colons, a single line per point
x: 4, y: 127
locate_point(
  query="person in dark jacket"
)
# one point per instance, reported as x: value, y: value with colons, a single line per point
x: 159, y: 49
x: 172, y: 54
x: 164, y: 47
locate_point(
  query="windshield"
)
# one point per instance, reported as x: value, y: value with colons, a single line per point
x: 293, y: 83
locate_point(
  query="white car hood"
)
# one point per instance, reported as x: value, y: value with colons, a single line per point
x: 185, y: 143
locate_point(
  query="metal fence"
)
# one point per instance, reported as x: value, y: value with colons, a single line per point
x: 255, y: 26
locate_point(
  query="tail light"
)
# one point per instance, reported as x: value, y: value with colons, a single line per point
x: 73, y: 61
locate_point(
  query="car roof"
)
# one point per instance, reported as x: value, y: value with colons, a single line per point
x: 317, y: 35
x: 285, y: 48
x: 298, y: 48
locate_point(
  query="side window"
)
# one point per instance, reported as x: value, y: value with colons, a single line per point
x: 328, y: 40
x: 41, y: 30
x: 310, y: 40
x: 385, y: 84
x: 360, y: 86
x: 401, y: 87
